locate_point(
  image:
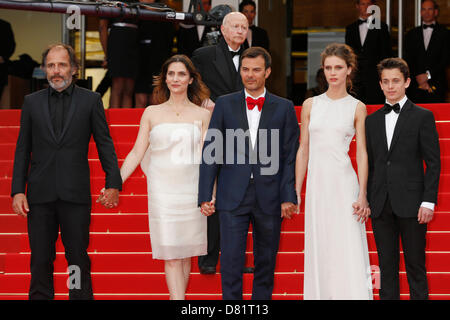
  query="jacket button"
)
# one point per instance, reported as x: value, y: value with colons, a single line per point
x: 388, y: 163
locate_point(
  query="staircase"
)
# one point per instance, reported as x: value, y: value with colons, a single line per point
x: 120, y: 251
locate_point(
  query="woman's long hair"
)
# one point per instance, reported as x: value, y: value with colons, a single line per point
x: 344, y: 52
x: 197, y: 93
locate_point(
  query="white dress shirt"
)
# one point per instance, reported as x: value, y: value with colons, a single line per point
x: 427, y: 36
x: 363, y: 29
x: 235, y: 58
x: 249, y: 37
x: 391, y: 120
x: 253, y: 117
x: 200, y: 30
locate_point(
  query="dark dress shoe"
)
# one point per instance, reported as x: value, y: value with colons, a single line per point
x: 249, y: 269
x: 207, y: 270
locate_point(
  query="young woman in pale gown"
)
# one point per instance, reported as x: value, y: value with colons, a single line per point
x: 336, y: 256
x: 168, y: 147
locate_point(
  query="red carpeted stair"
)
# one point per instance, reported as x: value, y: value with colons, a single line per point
x: 120, y: 251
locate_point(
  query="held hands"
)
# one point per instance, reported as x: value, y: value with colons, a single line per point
x: 361, y: 209
x: 20, y: 204
x: 287, y: 209
x: 208, y: 208
x: 109, y: 198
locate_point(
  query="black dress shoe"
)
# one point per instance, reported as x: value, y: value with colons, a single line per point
x: 249, y: 269
x: 207, y: 270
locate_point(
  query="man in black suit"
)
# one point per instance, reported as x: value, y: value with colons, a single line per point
x: 427, y: 51
x: 51, y: 164
x: 370, y: 40
x: 192, y: 37
x: 256, y: 36
x: 7, y: 46
x: 218, y: 66
x: 245, y: 126
x: 400, y: 137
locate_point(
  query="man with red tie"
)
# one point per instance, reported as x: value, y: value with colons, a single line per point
x: 250, y: 150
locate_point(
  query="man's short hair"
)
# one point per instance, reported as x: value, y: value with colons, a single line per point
x: 246, y: 3
x: 394, y: 63
x: 372, y: 1
x: 254, y: 52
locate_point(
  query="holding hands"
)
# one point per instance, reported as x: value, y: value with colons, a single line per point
x: 287, y: 209
x: 208, y: 208
x: 109, y: 198
x: 361, y: 209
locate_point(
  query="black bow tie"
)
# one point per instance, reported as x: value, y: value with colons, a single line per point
x: 425, y: 26
x: 388, y: 108
x: 360, y: 21
x: 235, y: 53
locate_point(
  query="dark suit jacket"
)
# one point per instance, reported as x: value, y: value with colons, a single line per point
x: 233, y: 175
x: 259, y: 38
x: 377, y: 46
x: 399, y: 171
x: 435, y: 59
x: 216, y: 67
x: 59, y: 166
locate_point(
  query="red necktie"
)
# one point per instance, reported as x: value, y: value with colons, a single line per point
x: 251, y: 103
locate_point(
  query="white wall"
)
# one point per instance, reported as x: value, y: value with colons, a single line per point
x: 33, y: 31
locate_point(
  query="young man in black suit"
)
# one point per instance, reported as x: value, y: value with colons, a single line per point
x: 218, y: 66
x: 427, y: 51
x: 51, y: 163
x: 256, y: 36
x: 371, y: 42
x: 401, y: 136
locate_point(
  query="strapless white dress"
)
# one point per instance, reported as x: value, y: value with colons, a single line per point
x: 171, y: 163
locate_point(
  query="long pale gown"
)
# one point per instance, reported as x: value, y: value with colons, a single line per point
x: 171, y: 164
x: 336, y: 255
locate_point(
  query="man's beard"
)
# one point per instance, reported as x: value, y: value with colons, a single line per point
x: 63, y: 84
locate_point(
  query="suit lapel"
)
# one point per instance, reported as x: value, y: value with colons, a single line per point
x: 421, y: 40
x: 266, y: 114
x: 368, y: 37
x: 70, y: 112
x: 46, y: 112
x: 240, y: 112
x: 223, y: 65
x: 402, y: 119
x: 433, y: 38
x: 381, y: 128
x: 267, y: 111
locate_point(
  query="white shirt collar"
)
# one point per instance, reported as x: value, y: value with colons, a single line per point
x: 249, y: 95
x: 229, y: 48
x: 401, y: 102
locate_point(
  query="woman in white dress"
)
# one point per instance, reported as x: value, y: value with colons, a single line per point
x: 168, y: 147
x: 336, y: 256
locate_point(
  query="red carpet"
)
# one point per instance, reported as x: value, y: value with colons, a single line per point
x: 120, y: 251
